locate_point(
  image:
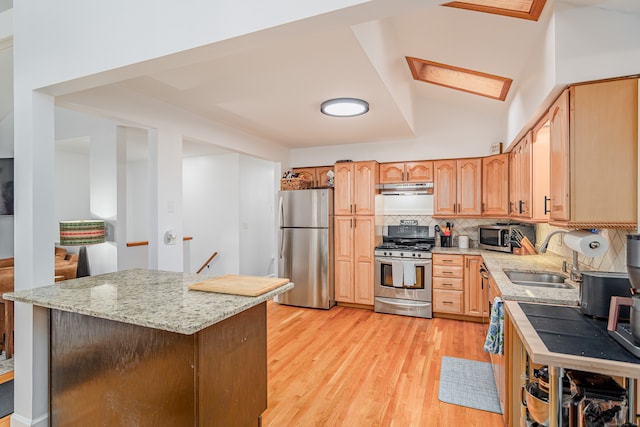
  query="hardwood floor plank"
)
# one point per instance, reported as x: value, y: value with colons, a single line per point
x: 353, y: 367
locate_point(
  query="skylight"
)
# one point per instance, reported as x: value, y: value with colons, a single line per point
x: 471, y: 81
x: 525, y: 9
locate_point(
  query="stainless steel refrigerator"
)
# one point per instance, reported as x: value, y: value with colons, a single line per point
x: 305, y: 252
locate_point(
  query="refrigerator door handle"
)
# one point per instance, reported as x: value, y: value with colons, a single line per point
x: 281, y: 209
x: 281, y: 242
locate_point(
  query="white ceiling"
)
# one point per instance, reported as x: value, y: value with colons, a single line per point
x: 273, y: 89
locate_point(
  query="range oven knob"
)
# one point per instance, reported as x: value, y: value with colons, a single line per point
x: 401, y: 254
x: 419, y: 255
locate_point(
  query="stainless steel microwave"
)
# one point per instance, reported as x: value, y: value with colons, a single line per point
x: 503, y: 237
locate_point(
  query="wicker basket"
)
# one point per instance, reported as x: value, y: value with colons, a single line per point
x: 294, y: 184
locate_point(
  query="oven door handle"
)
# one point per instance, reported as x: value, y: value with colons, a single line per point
x: 418, y: 262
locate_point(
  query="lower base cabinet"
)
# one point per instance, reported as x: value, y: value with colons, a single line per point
x: 458, y: 288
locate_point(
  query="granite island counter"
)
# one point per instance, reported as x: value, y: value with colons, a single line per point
x: 138, y: 347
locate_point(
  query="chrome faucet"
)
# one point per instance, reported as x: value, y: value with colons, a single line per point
x: 545, y: 242
x: 575, y: 274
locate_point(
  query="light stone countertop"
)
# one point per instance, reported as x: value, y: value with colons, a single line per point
x: 155, y: 299
x: 497, y: 262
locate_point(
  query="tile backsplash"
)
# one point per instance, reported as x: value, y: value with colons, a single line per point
x: 614, y: 260
x: 468, y: 227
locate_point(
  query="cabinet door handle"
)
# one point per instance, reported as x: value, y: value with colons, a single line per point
x: 520, y: 207
x: 407, y: 178
x: 447, y: 260
x: 546, y: 210
x: 482, y: 207
x: 447, y: 302
x: 447, y: 272
x: 447, y: 284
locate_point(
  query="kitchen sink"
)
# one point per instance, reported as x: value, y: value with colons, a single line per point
x: 537, y: 278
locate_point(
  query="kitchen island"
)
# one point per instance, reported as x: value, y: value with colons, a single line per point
x: 139, y: 348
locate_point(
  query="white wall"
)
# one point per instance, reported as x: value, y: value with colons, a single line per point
x: 86, y: 178
x: 212, y: 212
x: 257, y: 213
x: 581, y: 44
x: 443, y: 131
x: 48, y: 34
x: 137, y: 200
x: 72, y: 184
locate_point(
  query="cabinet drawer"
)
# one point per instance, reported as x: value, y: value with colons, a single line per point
x: 446, y: 301
x: 446, y: 259
x: 447, y: 271
x: 447, y: 283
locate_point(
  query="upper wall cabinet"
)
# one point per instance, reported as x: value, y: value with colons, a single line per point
x: 495, y: 185
x: 393, y: 173
x: 593, y: 156
x: 355, y: 188
x: 540, y: 171
x: 520, y: 179
x: 317, y: 175
x: 458, y: 187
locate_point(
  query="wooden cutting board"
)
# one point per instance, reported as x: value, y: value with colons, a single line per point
x: 234, y: 284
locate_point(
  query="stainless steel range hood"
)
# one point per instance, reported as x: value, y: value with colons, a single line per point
x: 413, y: 188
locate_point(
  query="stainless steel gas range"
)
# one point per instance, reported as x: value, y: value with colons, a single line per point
x: 403, y: 271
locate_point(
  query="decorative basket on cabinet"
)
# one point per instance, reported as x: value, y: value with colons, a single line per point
x: 294, y: 184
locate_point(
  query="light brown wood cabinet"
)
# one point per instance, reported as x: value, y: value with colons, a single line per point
x: 540, y: 171
x: 399, y: 172
x: 355, y: 188
x: 497, y: 361
x: 448, y: 287
x: 355, y: 240
x: 495, y: 185
x: 354, y: 231
x: 593, y: 155
x: 457, y: 285
x: 317, y: 175
x: 458, y: 187
x: 520, y: 179
x: 475, y: 294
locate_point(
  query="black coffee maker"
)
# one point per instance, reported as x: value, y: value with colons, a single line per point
x: 628, y: 334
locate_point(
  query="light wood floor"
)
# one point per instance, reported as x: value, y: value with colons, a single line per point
x: 353, y: 367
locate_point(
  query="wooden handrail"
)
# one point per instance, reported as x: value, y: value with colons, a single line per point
x: 208, y: 262
x: 145, y: 243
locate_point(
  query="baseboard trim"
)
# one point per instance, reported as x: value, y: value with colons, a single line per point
x: 20, y: 421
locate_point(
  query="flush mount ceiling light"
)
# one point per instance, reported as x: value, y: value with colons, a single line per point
x: 525, y: 9
x: 344, y: 107
x: 471, y: 81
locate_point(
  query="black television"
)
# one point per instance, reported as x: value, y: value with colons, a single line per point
x: 6, y: 186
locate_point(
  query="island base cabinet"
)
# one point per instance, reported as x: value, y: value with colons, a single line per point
x: 108, y: 373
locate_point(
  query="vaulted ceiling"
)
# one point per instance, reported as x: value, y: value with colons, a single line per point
x: 273, y: 88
